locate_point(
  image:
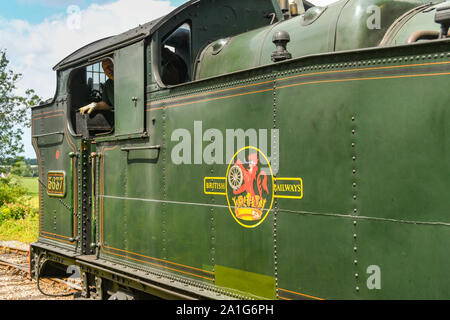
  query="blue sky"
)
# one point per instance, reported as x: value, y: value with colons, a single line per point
x: 35, y: 11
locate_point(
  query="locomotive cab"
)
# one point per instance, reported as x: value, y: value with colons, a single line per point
x: 87, y: 84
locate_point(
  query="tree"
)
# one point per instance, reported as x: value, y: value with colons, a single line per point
x: 10, y: 191
x: 14, y: 112
x: 31, y: 162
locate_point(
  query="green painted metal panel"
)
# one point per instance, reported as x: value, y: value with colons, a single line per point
x: 401, y: 149
x: 421, y: 21
x: 363, y: 23
x: 315, y: 132
x: 132, y: 212
x: 315, y: 254
x: 315, y: 145
x: 53, y: 145
x: 412, y: 260
x: 129, y: 88
x: 262, y: 286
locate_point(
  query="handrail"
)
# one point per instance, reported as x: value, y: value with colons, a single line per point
x: 73, y: 159
x: 47, y: 134
x: 423, y: 35
x: 94, y: 156
x: 141, y: 148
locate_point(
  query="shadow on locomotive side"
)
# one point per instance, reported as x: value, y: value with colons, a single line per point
x: 255, y: 150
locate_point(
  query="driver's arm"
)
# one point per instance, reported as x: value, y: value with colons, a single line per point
x: 98, y: 106
x: 103, y: 106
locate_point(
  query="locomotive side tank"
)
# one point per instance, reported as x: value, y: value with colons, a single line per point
x: 226, y: 174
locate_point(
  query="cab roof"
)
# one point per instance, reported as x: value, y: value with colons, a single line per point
x: 105, y: 45
x: 108, y: 44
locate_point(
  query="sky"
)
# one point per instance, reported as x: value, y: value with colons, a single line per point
x: 37, y: 34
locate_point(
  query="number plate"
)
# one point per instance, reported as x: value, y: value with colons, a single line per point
x: 56, y: 186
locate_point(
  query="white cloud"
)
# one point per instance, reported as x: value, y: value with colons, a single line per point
x: 33, y: 49
x: 323, y: 2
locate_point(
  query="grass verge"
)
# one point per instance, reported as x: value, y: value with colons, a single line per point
x: 23, y: 230
x: 26, y: 229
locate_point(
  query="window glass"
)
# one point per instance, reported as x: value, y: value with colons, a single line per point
x: 176, y: 56
x: 95, y: 77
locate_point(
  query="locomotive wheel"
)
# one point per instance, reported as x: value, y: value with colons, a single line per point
x: 235, y: 177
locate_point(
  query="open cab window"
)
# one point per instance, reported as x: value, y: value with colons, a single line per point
x: 89, y: 84
x: 176, y: 56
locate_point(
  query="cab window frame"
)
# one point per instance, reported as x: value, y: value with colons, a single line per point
x: 159, y: 42
x: 73, y: 109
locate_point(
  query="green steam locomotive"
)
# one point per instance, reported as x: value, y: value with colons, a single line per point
x: 253, y: 149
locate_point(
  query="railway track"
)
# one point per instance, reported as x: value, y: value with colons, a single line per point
x: 16, y: 283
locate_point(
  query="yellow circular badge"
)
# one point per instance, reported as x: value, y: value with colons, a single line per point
x: 249, y: 187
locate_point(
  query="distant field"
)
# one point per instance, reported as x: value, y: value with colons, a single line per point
x: 32, y: 185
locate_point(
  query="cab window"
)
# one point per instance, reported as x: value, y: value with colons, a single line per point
x: 86, y: 85
x: 175, y: 67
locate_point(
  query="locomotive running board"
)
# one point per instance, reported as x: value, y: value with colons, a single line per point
x: 153, y: 283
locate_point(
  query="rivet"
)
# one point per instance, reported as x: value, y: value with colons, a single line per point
x: 357, y: 288
x: 355, y: 261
